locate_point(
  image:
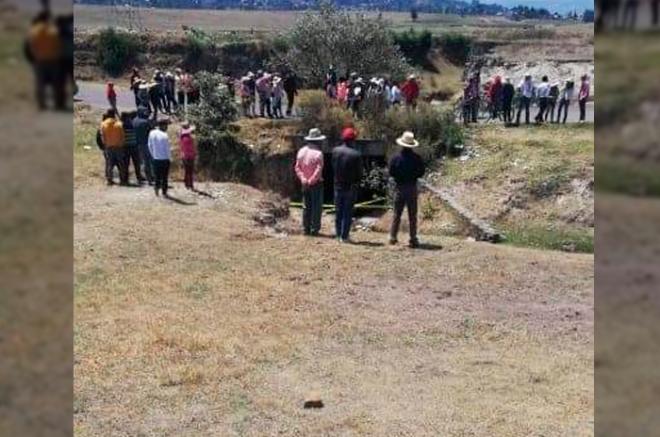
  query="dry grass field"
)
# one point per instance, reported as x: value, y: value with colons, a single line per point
x: 192, y: 320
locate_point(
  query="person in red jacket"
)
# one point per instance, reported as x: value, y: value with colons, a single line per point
x: 410, y: 91
x: 111, y: 94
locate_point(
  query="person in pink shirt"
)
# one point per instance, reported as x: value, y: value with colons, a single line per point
x: 309, y: 170
x: 583, y: 96
x: 188, y: 153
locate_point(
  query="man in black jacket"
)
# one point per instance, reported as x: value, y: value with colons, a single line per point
x: 142, y: 127
x: 406, y: 167
x: 508, y: 92
x: 347, y: 168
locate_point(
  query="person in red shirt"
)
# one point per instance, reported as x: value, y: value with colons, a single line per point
x: 111, y: 94
x: 410, y: 91
x: 309, y: 170
x: 188, y: 153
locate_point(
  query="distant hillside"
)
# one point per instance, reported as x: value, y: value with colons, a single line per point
x: 476, y: 7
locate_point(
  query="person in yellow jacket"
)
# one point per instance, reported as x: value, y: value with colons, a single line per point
x: 43, y: 49
x: 114, y: 139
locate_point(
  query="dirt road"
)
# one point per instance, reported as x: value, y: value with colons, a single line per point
x: 204, y: 324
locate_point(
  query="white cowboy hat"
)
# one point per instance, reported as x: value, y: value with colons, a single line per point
x: 315, y: 135
x: 412, y: 77
x: 407, y: 140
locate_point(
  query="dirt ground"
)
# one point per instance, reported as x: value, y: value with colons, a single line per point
x: 192, y: 320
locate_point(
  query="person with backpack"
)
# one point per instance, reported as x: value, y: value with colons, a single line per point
x: 114, y: 138
x: 406, y: 168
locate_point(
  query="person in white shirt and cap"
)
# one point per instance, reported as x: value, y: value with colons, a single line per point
x: 526, y: 88
x: 160, y: 149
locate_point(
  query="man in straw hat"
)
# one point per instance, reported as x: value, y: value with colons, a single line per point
x: 309, y: 170
x: 405, y: 168
x: 347, y: 167
x: 159, y: 148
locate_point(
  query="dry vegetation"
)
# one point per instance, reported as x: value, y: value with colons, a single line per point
x: 190, y: 320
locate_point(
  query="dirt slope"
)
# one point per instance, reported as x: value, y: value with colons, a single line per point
x: 190, y: 320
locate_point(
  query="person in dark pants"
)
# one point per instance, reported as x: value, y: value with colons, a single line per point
x: 583, y: 97
x: 526, y: 94
x: 290, y: 85
x: 309, y: 170
x: 113, y: 137
x: 188, y: 150
x: 565, y: 100
x: 132, y: 149
x: 552, y: 102
x: 508, y: 92
x: 405, y: 168
x: 347, y: 168
x: 543, y: 92
x: 159, y: 147
x: 142, y: 127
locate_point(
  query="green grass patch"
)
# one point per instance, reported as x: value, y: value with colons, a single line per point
x: 547, y: 238
x: 628, y: 177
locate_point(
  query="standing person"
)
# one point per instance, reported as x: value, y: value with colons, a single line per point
x: 331, y: 83
x: 43, y: 49
x: 526, y: 93
x: 111, y: 94
x: 187, y: 88
x: 342, y: 91
x: 130, y: 144
x: 583, y: 96
x: 291, y: 89
x: 178, y: 77
x: 113, y: 137
x: 565, y: 100
x: 252, y: 87
x: 495, y: 96
x: 278, y: 95
x: 543, y: 92
x: 356, y: 95
x: 410, y: 91
x: 347, y: 168
x: 159, y: 147
x: 552, y: 101
x: 170, y: 91
x: 395, y: 95
x: 135, y: 86
x: 264, y: 90
x: 155, y: 99
x: 405, y: 168
x: 244, y: 93
x: 508, y: 92
x: 309, y: 170
x: 142, y: 127
x: 188, y: 153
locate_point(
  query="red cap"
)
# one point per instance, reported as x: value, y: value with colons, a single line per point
x: 348, y: 134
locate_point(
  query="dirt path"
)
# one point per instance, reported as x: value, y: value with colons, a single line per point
x: 204, y: 324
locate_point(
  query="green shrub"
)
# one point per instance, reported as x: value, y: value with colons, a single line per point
x: 319, y: 111
x: 455, y: 47
x: 116, y: 50
x: 415, y: 46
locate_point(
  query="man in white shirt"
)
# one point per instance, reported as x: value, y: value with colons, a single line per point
x: 159, y: 147
x: 526, y: 88
x: 543, y: 92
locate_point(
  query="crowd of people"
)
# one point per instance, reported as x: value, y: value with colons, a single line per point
x: 134, y: 138
x: 378, y: 93
x: 405, y: 168
x: 262, y: 94
x: 503, y: 99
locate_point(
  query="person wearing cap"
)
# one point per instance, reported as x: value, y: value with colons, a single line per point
x: 188, y: 153
x: 526, y: 93
x: 543, y: 92
x: 508, y: 91
x: 565, y: 98
x: 406, y: 167
x: 142, y: 127
x: 159, y: 148
x: 113, y: 137
x: 347, y: 168
x: 410, y: 91
x: 583, y: 96
x: 309, y: 170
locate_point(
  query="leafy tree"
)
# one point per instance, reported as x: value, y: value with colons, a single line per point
x: 414, y: 45
x: 116, y: 50
x: 221, y: 155
x: 349, y: 43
